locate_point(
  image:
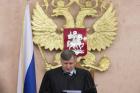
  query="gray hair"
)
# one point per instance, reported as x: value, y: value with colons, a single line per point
x: 67, y: 54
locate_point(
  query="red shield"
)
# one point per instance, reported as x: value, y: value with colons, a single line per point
x: 75, y: 39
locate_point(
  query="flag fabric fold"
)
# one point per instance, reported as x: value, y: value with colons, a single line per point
x: 26, y: 72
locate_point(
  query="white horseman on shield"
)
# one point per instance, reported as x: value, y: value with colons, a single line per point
x: 75, y: 42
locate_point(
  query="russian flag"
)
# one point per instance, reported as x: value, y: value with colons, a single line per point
x: 26, y: 73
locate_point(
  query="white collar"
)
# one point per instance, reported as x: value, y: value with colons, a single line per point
x: 71, y: 72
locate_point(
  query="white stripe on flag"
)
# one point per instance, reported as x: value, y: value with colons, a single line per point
x: 28, y: 51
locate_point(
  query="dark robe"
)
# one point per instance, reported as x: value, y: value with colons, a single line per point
x: 55, y: 81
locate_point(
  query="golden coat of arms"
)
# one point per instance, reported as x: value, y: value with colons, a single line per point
x: 100, y: 35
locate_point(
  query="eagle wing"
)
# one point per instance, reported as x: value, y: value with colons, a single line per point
x: 44, y: 30
x: 105, y: 31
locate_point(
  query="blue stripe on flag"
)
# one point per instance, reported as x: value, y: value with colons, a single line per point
x: 30, y: 79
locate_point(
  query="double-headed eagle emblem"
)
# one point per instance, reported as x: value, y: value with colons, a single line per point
x: 100, y: 35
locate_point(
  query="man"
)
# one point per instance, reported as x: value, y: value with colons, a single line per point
x: 67, y: 77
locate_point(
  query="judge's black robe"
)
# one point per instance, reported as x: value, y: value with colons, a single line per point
x: 55, y: 81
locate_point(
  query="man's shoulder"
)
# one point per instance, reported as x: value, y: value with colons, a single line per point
x: 54, y: 71
x: 82, y: 71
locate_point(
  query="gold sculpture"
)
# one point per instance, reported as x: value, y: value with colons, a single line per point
x: 100, y: 35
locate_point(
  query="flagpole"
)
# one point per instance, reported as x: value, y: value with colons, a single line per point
x: 21, y: 66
